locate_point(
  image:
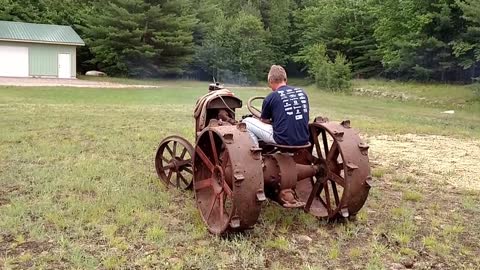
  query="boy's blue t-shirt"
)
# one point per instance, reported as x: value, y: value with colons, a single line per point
x: 288, y: 109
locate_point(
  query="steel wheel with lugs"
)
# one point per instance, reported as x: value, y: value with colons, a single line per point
x: 343, y: 188
x: 228, y: 187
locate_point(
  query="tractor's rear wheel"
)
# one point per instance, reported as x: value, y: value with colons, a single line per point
x: 343, y: 187
x: 228, y: 180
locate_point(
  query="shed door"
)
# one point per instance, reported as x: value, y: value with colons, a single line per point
x: 13, y: 61
x: 64, y: 66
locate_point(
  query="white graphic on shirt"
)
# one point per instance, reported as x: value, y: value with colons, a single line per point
x: 294, y: 102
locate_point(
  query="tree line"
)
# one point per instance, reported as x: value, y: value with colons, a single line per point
x: 237, y: 40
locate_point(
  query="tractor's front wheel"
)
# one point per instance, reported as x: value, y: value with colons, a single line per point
x: 173, y: 162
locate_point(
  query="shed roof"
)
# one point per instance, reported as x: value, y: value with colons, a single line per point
x: 39, y: 33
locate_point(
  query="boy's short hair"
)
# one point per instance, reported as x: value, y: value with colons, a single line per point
x: 277, y: 74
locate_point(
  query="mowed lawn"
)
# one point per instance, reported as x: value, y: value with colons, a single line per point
x: 78, y: 187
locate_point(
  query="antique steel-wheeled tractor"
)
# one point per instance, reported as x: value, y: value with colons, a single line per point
x: 328, y: 178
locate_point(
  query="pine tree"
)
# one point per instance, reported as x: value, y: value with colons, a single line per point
x: 141, y: 38
x: 170, y: 30
x: 467, y: 47
x: 416, y: 40
x: 277, y: 20
x: 344, y: 26
x: 22, y: 11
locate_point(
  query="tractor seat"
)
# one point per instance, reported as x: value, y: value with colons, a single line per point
x: 285, y: 148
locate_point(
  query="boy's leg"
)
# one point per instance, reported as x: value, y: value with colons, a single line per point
x: 259, y: 130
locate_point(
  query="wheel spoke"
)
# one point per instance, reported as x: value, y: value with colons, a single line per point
x: 315, y: 141
x: 335, y: 194
x: 165, y: 159
x: 203, y: 183
x: 225, y: 158
x: 212, y: 205
x: 169, y: 175
x: 314, y: 193
x: 325, y: 142
x: 169, y: 150
x: 174, y: 149
x: 169, y: 166
x: 184, y: 151
x: 333, y: 152
x: 184, y: 180
x: 184, y: 162
x: 186, y: 169
x: 178, y: 179
x: 227, y: 189
x: 214, y: 147
x: 204, y: 158
x: 220, y: 204
x: 327, y: 197
x: 336, y: 178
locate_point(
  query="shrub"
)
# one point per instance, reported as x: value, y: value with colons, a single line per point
x: 333, y: 75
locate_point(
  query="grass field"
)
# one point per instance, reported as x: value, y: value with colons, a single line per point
x: 78, y: 188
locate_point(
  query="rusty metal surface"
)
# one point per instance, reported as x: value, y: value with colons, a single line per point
x: 228, y: 179
x: 231, y: 178
x: 287, y: 167
x: 343, y: 188
x: 281, y: 173
x: 222, y: 107
x: 173, y: 162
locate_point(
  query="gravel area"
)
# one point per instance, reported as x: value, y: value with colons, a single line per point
x: 66, y: 82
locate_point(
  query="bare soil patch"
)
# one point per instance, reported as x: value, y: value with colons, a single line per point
x: 4, y: 192
x: 9, y: 246
x: 430, y: 158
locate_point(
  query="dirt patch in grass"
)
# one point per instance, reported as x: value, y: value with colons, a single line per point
x: 4, y: 201
x: 430, y: 159
x: 12, y: 247
x: 4, y: 193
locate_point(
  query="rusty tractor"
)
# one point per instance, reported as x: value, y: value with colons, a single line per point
x: 231, y: 178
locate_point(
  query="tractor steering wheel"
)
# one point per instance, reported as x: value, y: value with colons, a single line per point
x: 256, y: 112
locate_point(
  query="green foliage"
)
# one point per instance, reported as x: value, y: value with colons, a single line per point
x: 138, y: 38
x: 332, y: 75
x: 346, y: 27
x: 278, y: 22
x: 236, y: 50
x: 467, y: 47
x: 236, y: 40
x: 418, y: 39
